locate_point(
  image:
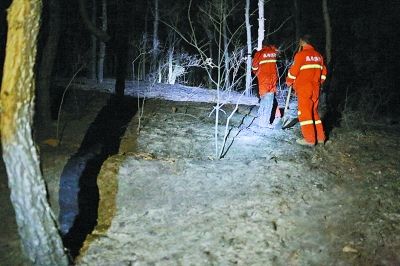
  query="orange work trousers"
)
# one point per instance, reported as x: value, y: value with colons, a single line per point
x: 310, y: 121
x: 266, y: 84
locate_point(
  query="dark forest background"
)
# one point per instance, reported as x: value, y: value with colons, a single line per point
x: 362, y: 75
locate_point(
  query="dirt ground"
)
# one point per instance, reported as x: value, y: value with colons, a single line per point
x: 267, y: 202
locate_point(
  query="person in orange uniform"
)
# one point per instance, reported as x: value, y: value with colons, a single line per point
x: 264, y: 67
x: 306, y: 75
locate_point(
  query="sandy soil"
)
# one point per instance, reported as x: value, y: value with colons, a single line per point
x: 267, y: 202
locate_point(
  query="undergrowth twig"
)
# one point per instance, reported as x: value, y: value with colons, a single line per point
x: 62, y: 101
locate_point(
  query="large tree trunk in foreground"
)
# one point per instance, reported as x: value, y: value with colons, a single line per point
x: 47, y: 62
x: 36, y: 226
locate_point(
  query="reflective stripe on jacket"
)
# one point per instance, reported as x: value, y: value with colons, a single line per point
x: 308, y: 67
x: 264, y: 61
x: 264, y: 67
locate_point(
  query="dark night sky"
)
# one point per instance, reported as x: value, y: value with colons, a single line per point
x: 365, y: 34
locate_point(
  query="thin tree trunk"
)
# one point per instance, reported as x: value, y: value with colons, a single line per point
x: 328, y: 53
x: 225, y: 36
x: 248, y: 59
x: 296, y: 19
x: 40, y: 239
x: 328, y: 31
x: 102, y: 35
x: 219, y: 78
x: 93, y: 59
x: 102, y: 48
x: 122, y: 45
x: 156, y: 42
x: 261, y: 22
x: 47, y: 62
x: 144, y: 45
x: 171, y: 79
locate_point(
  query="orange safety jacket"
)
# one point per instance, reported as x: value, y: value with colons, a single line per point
x: 264, y: 67
x: 308, y: 67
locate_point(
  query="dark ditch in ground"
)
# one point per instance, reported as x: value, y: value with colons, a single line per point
x: 78, y: 194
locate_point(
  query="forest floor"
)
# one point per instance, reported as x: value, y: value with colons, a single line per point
x: 166, y: 200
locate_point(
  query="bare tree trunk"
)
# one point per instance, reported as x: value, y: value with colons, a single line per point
x: 225, y: 36
x: 261, y: 22
x: 328, y: 31
x: 102, y: 48
x: 144, y: 45
x: 205, y: 23
x: 323, y: 106
x: 156, y: 42
x: 102, y: 35
x: 296, y: 18
x: 171, y: 79
x: 36, y: 225
x: 47, y: 62
x: 248, y: 59
x: 122, y: 46
x: 93, y: 59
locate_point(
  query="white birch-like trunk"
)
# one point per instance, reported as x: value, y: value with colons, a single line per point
x: 36, y: 224
x: 218, y: 105
x: 249, y: 50
x: 261, y: 22
x: 94, y: 44
x: 225, y: 38
x: 170, y: 65
x: 328, y: 31
x: 102, y: 48
x: 159, y: 73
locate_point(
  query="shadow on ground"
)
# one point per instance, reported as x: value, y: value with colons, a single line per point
x: 78, y: 194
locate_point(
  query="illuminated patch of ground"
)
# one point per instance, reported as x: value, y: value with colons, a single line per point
x: 267, y: 202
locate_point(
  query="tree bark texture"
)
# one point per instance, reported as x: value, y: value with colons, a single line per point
x: 47, y: 62
x: 328, y: 32
x: 36, y: 225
